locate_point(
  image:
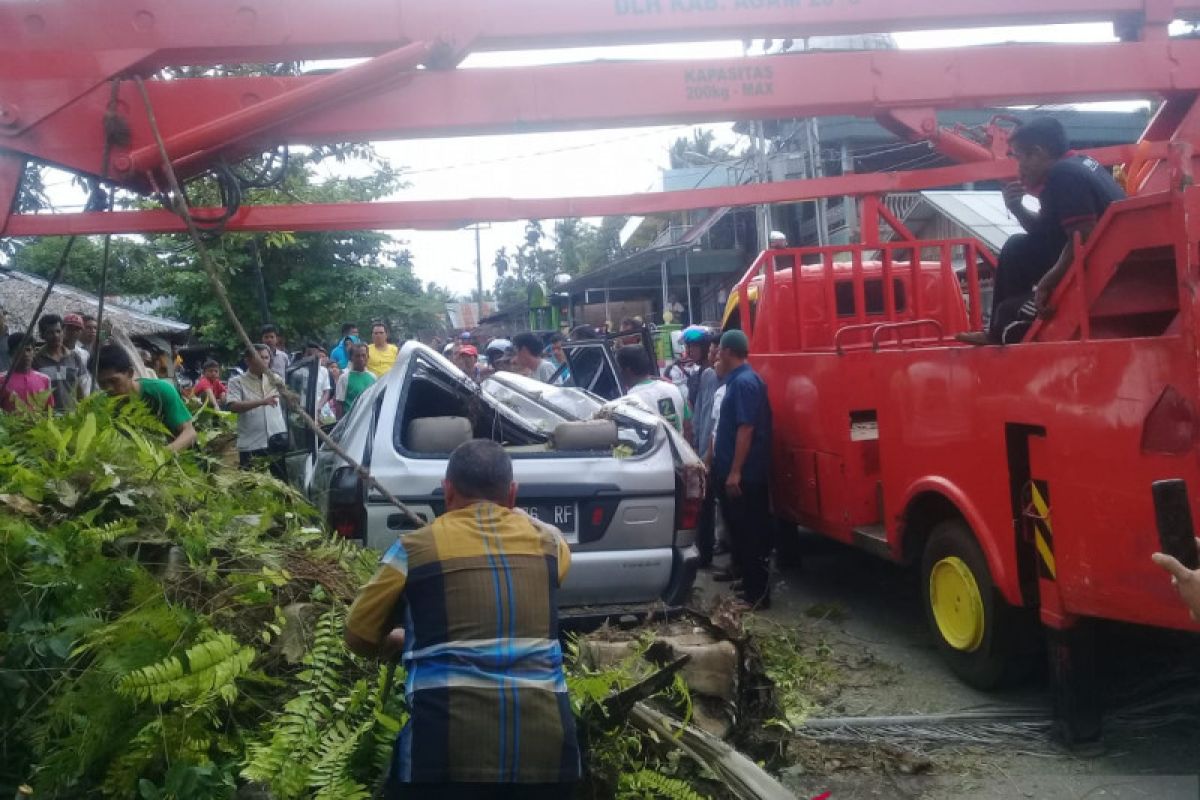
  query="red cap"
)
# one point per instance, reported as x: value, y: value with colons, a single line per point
x: 73, y: 319
x: 468, y: 350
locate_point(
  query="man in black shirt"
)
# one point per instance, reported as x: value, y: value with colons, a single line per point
x: 1074, y: 191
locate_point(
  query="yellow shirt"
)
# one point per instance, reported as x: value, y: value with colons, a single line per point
x: 380, y: 361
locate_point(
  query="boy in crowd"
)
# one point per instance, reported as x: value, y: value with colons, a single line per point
x: 23, y: 388
x: 209, y: 387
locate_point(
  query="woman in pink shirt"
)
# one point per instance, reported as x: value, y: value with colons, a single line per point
x: 24, y: 388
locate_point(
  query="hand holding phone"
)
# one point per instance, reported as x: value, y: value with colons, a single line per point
x: 1173, y: 513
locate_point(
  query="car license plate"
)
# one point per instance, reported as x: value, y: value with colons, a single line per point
x: 564, y: 516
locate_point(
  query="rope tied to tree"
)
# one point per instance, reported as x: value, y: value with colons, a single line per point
x: 179, y: 205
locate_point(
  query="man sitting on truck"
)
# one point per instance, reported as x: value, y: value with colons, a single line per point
x: 1074, y: 190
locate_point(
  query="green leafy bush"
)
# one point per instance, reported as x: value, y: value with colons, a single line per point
x: 141, y: 599
x: 150, y: 608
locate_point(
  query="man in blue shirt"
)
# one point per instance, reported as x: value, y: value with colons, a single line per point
x: 741, y: 467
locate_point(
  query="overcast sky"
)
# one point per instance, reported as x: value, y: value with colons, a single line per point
x: 620, y: 161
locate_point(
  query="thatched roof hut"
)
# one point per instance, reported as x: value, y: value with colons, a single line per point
x: 21, y: 292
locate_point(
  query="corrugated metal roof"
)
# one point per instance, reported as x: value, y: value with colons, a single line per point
x: 981, y: 213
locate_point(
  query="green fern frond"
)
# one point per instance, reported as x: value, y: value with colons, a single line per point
x: 112, y: 531
x: 331, y: 776
x: 285, y: 761
x: 646, y: 784
x: 210, y: 666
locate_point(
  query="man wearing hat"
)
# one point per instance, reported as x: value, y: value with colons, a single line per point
x: 72, y: 330
x: 467, y: 359
x: 741, y: 467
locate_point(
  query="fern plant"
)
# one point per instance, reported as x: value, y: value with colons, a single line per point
x: 646, y: 784
x: 327, y: 739
x: 212, y: 665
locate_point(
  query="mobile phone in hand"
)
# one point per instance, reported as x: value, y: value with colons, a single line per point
x: 1174, y: 516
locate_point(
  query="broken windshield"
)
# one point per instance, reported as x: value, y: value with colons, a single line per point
x: 540, y: 403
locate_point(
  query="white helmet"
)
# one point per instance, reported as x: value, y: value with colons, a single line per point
x: 503, y: 346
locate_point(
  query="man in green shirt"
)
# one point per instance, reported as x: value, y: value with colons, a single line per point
x: 116, y: 376
x: 354, y: 381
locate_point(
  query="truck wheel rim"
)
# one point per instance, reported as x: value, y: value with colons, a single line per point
x: 957, y: 604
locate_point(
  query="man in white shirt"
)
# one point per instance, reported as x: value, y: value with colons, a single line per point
x: 528, y: 357
x: 262, y: 429
x: 324, y: 385
x: 661, y: 397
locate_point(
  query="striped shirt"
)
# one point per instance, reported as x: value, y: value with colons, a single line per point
x: 485, y: 685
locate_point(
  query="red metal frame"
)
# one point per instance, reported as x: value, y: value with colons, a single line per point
x: 453, y: 214
x: 475, y: 101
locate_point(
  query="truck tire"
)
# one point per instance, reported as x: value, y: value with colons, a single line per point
x: 977, y: 633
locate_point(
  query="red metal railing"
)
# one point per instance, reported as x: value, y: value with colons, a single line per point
x: 894, y: 262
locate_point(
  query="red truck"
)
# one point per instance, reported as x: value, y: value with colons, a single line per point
x: 1018, y: 478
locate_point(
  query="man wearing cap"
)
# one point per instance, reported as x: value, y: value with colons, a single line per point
x: 467, y: 359
x: 741, y: 467
x: 72, y: 331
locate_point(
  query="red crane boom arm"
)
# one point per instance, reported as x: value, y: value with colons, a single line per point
x: 483, y: 101
x: 61, y: 54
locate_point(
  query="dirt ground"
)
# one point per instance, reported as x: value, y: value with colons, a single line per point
x: 863, y: 617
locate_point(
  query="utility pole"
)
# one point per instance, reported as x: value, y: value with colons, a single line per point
x: 762, y: 168
x: 477, y: 227
x: 764, y: 176
x: 817, y: 170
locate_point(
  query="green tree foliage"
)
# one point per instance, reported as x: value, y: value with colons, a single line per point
x: 575, y: 248
x: 306, y: 283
